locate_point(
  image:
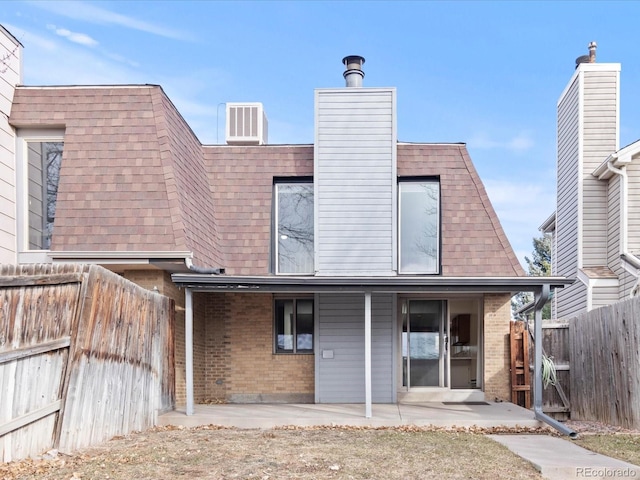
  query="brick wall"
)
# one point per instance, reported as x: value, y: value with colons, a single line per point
x: 497, y: 315
x: 241, y: 365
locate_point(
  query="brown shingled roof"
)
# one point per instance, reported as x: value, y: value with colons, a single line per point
x: 124, y: 183
x: 473, y: 241
x: 135, y: 178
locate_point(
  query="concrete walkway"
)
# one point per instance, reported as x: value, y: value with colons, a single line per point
x: 560, y: 459
x: 384, y: 415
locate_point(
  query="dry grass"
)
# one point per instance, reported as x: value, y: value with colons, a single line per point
x: 331, y: 453
x: 621, y: 446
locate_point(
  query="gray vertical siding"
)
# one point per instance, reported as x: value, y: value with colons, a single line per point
x: 341, y: 330
x: 355, y: 181
x: 587, y: 134
x: 566, y: 262
x: 600, y: 138
x: 572, y: 300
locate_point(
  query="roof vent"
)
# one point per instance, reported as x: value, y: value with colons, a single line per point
x: 246, y: 124
x: 353, y: 74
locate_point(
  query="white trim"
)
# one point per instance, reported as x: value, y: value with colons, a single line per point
x: 22, y: 137
x: 398, y: 251
x: 394, y: 348
x: 350, y: 90
x: 588, y: 67
x: 394, y: 183
x: 83, y: 87
x: 118, y: 255
x: 367, y: 354
x: 316, y: 346
x: 188, y: 349
x: 276, y: 227
x: 592, y: 283
x: 580, y: 186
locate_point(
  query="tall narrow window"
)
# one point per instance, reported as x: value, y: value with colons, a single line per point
x: 294, y: 228
x: 294, y: 325
x: 419, y: 226
x: 43, y: 166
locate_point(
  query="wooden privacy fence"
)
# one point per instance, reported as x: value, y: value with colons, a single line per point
x: 84, y: 355
x: 555, y: 344
x: 605, y: 364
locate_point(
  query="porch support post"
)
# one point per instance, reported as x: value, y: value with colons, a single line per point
x: 188, y: 347
x: 367, y: 354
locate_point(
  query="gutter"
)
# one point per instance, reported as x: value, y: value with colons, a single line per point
x: 541, y: 299
x: 202, y: 270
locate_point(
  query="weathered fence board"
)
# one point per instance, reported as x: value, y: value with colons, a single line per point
x: 118, y: 366
x: 605, y: 361
x: 84, y: 355
x: 556, y: 400
x: 36, y: 320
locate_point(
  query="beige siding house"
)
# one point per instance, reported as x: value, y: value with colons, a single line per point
x: 10, y: 76
x: 596, y: 231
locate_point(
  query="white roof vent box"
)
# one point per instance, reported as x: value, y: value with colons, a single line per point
x: 246, y: 124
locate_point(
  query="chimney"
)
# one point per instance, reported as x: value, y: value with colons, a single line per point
x: 592, y: 52
x: 353, y: 74
x: 591, y: 58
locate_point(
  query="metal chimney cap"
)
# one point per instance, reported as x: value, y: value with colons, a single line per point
x: 353, y: 62
x: 353, y: 74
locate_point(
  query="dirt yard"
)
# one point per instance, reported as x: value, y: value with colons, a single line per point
x: 327, y: 453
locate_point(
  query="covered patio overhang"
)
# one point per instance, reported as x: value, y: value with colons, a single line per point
x: 539, y: 286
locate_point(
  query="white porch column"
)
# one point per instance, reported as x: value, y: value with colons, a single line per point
x: 367, y: 354
x: 188, y: 347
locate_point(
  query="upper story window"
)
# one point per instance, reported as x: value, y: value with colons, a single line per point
x: 294, y: 227
x: 38, y: 168
x: 419, y: 230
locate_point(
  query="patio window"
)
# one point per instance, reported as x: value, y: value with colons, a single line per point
x: 294, y: 227
x: 293, y: 325
x: 419, y: 229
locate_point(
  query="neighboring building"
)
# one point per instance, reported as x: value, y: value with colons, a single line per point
x: 10, y: 76
x: 356, y: 269
x: 596, y: 227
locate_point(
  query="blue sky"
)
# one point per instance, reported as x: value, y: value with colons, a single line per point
x: 485, y: 73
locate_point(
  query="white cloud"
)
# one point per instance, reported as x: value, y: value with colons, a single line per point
x: 80, y: 38
x: 519, y: 143
x: 92, y: 13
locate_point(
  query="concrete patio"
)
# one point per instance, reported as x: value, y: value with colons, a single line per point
x: 480, y: 414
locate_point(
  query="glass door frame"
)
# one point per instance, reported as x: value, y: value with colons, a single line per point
x: 405, y: 345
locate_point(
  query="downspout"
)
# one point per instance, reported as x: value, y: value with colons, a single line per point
x: 204, y: 270
x: 624, y: 254
x: 541, y: 299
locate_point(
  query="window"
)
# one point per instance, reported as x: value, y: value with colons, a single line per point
x: 294, y: 325
x: 419, y: 226
x: 294, y: 221
x: 40, y: 153
x: 44, y: 160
